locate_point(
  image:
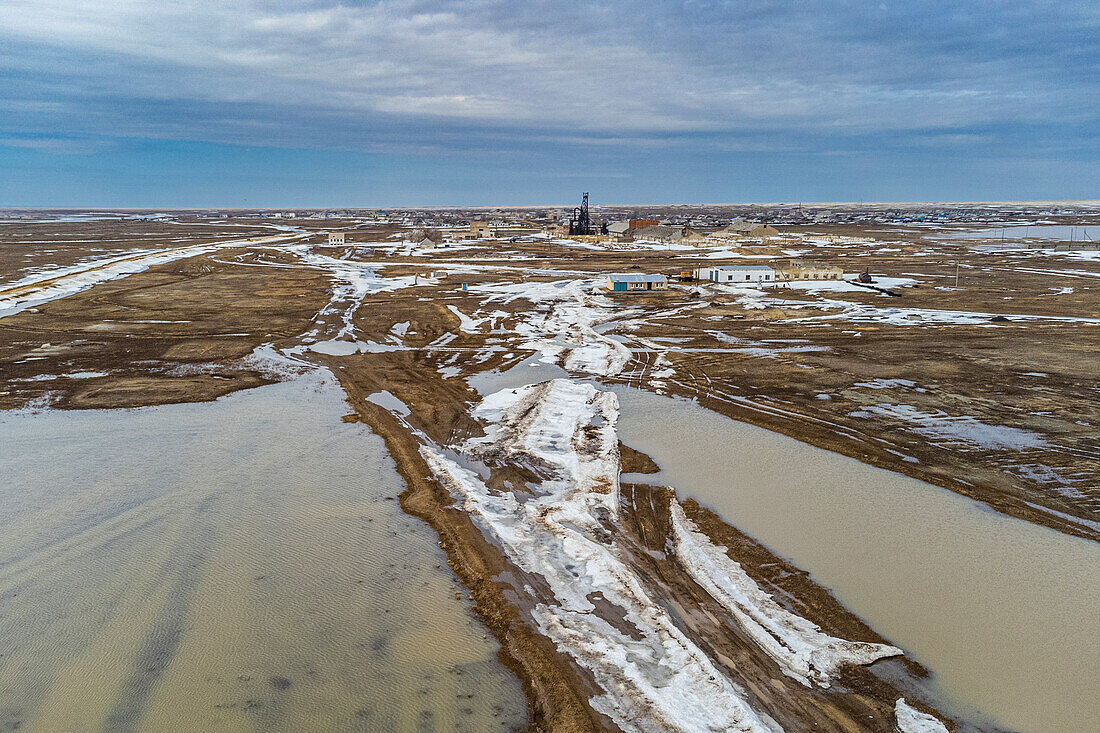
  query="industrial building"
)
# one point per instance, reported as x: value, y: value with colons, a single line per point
x: 736, y: 274
x: 630, y: 226
x: 336, y: 238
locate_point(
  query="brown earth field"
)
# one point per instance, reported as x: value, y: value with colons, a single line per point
x: 987, y: 388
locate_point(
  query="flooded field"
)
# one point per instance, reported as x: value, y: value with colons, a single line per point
x: 235, y: 565
x: 1003, y: 612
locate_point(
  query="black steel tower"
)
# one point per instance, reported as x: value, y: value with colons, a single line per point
x: 580, y: 223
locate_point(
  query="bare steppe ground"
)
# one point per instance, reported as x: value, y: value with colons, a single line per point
x: 988, y: 389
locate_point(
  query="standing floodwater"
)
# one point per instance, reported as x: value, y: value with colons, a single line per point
x: 1002, y: 611
x: 236, y: 565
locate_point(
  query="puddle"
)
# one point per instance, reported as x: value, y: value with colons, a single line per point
x: 531, y: 370
x: 387, y: 400
x: 1002, y: 611
x: 235, y: 565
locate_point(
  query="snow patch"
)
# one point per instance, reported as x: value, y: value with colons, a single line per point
x: 961, y: 429
x: 911, y: 720
x: 467, y: 324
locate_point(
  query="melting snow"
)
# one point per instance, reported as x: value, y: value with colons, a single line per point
x: 467, y: 324
x: 964, y: 429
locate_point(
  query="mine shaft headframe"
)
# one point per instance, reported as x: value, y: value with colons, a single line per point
x: 580, y: 222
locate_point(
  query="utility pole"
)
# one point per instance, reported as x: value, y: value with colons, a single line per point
x: 956, y: 273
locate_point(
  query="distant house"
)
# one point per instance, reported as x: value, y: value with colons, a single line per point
x: 694, y: 238
x: 480, y: 230
x: 737, y: 274
x: 558, y: 230
x: 424, y: 237
x: 660, y: 233
x: 335, y: 237
x: 793, y: 271
x: 741, y: 229
x: 634, y: 282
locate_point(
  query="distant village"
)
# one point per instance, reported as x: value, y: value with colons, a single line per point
x: 755, y: 232
x: 579, y: 229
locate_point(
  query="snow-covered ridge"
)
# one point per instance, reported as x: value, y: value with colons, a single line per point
x: 802, y: 650
x: 565, y: 534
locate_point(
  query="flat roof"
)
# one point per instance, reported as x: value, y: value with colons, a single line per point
x: 636, y: 278
x: 756, y: 268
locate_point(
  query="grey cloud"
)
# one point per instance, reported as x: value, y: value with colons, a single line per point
x: 613, y: 69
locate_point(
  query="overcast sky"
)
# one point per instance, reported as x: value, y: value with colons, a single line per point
x: 248, y: 103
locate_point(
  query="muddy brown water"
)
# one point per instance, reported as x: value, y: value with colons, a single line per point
x: 1004, y: 613
x: 235, y: 565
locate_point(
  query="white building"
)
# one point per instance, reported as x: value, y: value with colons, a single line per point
x: 336, y: 238
x: 737, y: 274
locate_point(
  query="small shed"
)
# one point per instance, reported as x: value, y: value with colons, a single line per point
x: 635, y: 282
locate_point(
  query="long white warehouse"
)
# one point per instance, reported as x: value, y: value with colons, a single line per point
x: 736, y: 274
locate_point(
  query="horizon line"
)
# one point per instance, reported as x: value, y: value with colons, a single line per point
x: 376, y: 207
